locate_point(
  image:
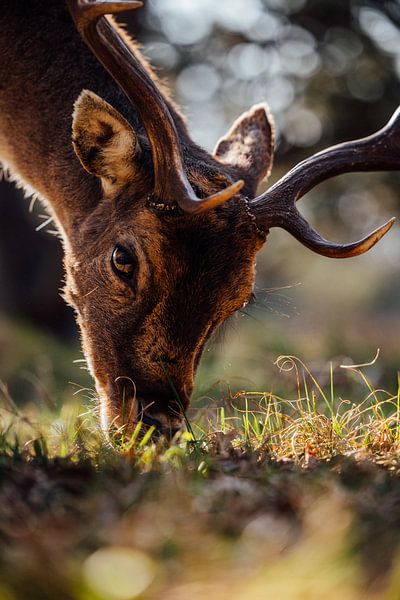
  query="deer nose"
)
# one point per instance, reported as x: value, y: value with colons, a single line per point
x: 151, y: 421
x: 166, y: 428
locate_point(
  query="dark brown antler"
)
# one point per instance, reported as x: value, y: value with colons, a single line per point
x: 170, y: 181
x: 277, y: 206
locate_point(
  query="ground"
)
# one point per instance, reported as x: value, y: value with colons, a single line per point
x: 259, y: 498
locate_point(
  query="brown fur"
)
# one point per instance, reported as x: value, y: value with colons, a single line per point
x: 140, y: 338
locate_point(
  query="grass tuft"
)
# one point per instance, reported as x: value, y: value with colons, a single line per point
x: 316, y: 424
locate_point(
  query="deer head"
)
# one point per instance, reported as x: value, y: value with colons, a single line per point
x: 167, y: 251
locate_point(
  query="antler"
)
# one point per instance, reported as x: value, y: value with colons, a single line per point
x: 277, y: 206
x: 170, y: 181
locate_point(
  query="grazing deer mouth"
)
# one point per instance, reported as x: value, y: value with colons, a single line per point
x: 123, y: 405
x: 139, y: 410
x: 166, y: 429
x: 167, y: 420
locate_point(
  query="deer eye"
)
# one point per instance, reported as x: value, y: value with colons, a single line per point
x: 123, y: 263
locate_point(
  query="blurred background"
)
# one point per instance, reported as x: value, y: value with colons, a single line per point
x: 330, y: 71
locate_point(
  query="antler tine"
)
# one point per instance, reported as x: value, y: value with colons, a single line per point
x: 199, y: 206
x: 83, y: 13
x: 276, y: 207
x: 170, y: 180
x: 304, y: 233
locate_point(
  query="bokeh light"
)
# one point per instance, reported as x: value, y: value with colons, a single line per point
x: 118, y: 573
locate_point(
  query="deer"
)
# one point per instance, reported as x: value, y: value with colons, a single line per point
x: 160, y: 237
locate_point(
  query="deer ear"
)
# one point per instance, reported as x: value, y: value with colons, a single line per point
x: 249, y: 145
x: 104, y: 141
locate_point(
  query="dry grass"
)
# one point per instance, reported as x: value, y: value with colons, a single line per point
x: 316, y: 425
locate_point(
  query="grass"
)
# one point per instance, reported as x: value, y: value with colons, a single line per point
x: 261, y: 497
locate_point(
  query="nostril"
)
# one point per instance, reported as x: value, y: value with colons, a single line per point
x: 151, y: 421
x: 168, y: 431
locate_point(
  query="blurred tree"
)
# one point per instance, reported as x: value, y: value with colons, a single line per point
x: 30, y: 266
